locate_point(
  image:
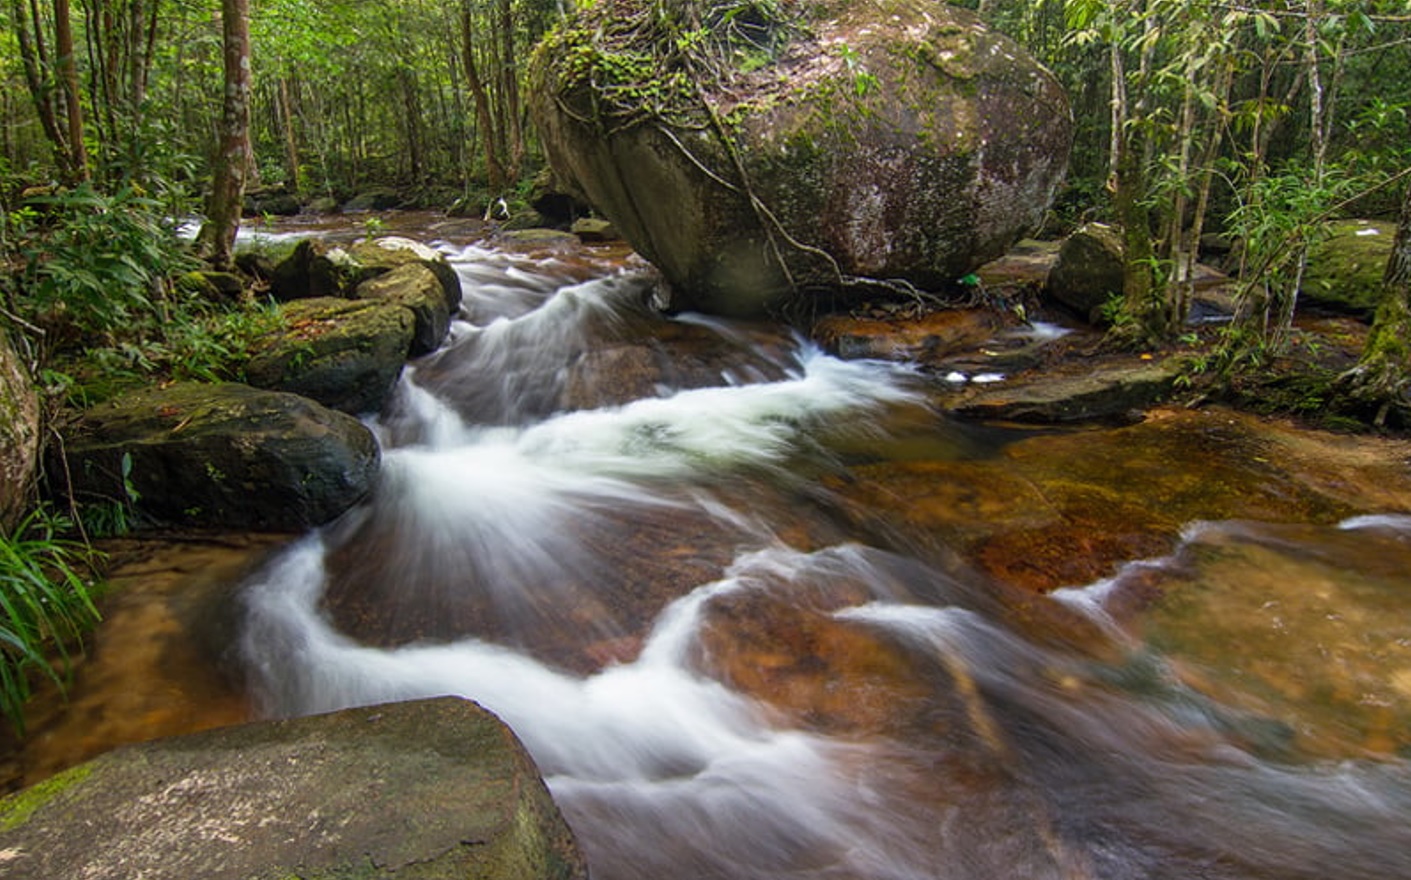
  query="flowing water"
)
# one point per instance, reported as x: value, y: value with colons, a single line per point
x: 607, y: 527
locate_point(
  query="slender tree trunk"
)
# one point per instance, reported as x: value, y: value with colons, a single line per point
x: 514, y: 131
x: 232, y: 160
x: 493, y: 167
x: 68, y: 76
x: 291, y: 140
x: 29, y: 34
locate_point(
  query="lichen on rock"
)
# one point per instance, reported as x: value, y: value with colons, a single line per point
x: 901, y: 142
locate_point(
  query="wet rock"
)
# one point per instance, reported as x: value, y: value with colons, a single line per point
x: 432, y: 789
x: 417, y: 289
x: 903, y: 139
x: 923, y: 338
x: 163, y: 662
x: 345, y: 354
x: 222, y: 455
x: 1344, y: 270
x: 594, y: 229
x: 1066, y: 510
x: 1303, y: 623
x: 823, y: 673
x: 676, y: 358
x: 1082, y: 391
x: 377, y: 199
x: 390, y: 252
x: 1088, y: 270
x: 537, y: 240
x: 318, y: 268
x: 19, y: 431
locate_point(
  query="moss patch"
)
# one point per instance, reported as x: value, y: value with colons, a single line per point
x: 16, y: 809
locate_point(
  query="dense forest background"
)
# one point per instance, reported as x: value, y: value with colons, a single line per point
x: 1254, y: 120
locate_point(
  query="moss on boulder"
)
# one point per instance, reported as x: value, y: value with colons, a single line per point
x: 433, y: 790
x: 222, y: 455
x: 1344, y: 270
x: 345, y: 354
x: 894, y: 140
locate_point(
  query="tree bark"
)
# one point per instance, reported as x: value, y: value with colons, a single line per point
x: 228, y: 187
x: 291, y: 139
x: 494, y: 169
x: 68, y: 76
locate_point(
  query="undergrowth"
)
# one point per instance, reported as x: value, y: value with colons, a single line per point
x: 46, y: 605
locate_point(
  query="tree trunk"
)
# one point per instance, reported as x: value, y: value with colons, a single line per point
x: 291, y: 140
x: 514, y: 134
x: 68, y: 76
x: 493, y: 168
x: 228, y: 187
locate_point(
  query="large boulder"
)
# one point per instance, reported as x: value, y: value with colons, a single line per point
x: 19, y: 432
x: 345, y: 354
x: 894, y: 140
x: 222, y: 455
x: 1088, y: 270
x: 1345, y: 268
x: 435, y: 789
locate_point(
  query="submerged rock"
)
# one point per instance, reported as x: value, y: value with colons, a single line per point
x: 222, y: 455
x: 19, y: 432
x: 436, y: 789
x: 897, y: 140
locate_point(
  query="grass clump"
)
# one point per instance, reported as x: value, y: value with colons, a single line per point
x: 46, y: 606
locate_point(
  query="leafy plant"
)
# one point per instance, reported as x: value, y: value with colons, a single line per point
x: 45, y: 604
x: 98, y: 261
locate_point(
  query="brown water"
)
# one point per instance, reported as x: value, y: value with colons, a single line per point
x: 758, y: 612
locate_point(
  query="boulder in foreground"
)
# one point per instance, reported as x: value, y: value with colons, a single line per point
x: 429, y: 790
x: 223, y: 455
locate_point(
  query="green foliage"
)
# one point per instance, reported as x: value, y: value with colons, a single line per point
x: 96, y: 275
x: 46, y: 606
x: 653, y: 59
x: 95, y: 262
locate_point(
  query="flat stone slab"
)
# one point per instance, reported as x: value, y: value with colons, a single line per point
x: 428, y: 789
x: 1088, y: 391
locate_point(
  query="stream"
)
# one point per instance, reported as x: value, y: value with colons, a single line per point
x: 647, y: 544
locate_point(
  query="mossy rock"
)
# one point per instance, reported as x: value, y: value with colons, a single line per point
x: 416, y: 288
x: 1345, y: 269
x: 895, y: 140
x: 1088, y: 270
x: 434, y: 790
x: 316, y: 269
x: 345, y: 354
x: 376, y: 256
x: 211, y: 285
x: 19, y: 431
x: 377, y: 199
x: 221, y: 455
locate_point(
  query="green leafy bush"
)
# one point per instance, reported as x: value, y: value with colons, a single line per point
x: 98, y: 262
